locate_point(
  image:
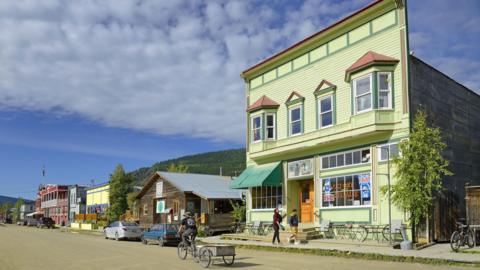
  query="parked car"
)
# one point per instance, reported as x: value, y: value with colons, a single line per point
x: 32, y: 222
x: 122, y: 230
x: 162, y: 234
x: 45, y: 222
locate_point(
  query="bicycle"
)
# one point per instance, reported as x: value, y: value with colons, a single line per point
x: 202, y: 255
x: 463, y: 235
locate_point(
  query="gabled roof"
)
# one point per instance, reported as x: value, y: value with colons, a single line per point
x: 369, y: 59
x: 263, y: 103
x: 203, y: 185
x: 324, y: 82
x: 291, y: 99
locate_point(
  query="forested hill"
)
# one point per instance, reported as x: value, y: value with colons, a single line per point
x: 232, y: 163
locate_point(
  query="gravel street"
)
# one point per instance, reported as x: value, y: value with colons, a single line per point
x: 31, y: 248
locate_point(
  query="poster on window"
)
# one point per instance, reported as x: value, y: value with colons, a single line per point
x: 160, y: 207
x: 159, y: 190
x: 365, y: 186
x: 300, y: 168
x: 328, y: 197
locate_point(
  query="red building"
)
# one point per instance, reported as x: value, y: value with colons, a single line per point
x: 54, y: 203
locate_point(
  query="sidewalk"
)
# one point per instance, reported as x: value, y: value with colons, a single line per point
x: 438, y: 254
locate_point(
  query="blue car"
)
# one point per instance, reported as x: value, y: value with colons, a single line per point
x: 162, y: 234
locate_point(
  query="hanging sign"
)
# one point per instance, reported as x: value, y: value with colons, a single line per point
x: 159, y: 190
x: 300, y: 168
x: 160, y: 206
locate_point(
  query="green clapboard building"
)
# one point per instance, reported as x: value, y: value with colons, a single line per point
x: 322, y: 113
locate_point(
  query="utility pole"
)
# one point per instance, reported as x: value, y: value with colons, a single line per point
x: 221, y: 172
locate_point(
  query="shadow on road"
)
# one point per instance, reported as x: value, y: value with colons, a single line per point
x: 243, y: 265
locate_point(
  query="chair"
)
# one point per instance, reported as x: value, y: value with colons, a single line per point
x: 326, y: 228
x: 256, y: 228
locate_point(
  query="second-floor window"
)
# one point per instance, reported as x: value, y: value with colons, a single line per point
x: 270, y: 126
x: 256, y: 128
x: 384, y: 90
x: 362, y: 89
x: 295, y: 120
x: 325, y: 111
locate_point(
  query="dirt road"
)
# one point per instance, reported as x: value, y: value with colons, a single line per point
x: 23, y: 248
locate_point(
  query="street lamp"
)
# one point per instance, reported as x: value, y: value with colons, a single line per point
x: 386, y: 147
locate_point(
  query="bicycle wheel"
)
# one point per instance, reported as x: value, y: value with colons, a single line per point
x: 455, y: 241
x: 470, y: 239
x: 227, y: 260
x: 363, y: 233
x: 182, y: 251
x: 205, y: 257
x: 386, y: 233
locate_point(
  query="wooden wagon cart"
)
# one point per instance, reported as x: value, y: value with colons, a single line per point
x: 207, y: 254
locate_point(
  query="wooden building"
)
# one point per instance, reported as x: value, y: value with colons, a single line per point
x: 166, y: 196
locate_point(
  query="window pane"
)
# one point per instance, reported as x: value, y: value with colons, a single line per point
x: 364, y: 102
x: 324, y: 162
x: 356, y: 157
x: 295, y: 114
x: 327, y: 119
x: 362, y: 86
x: 340, y: 160
x: 383, y: 81
x: 383, y: 153
x: 394, y: 152
x: 326, y: 104
x: 333, y: 161
x: 383, y: 100
x: 257, y: 135
x: 256, y: 122
x: 348, y: 158
x: 365, y: 155
x: 296, y: 127
x: 270, y: 120
x: 270, y: 134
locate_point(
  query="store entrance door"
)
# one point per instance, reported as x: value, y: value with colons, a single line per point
x: 306, y: 201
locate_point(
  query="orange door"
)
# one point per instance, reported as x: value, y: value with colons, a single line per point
x: 306, y: 202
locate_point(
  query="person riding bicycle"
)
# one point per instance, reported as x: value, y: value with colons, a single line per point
x: 189, y: 227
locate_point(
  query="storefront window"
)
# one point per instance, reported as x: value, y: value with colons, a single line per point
x: 266, y: 197
x: 347, y: 190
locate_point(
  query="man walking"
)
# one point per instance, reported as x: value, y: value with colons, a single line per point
x: 293, y: 222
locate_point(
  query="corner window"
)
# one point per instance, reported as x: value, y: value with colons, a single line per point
x: 392, y: 150
x: 256, y: 128
x: 384, y: 90
x: 270, y: 126
x: 362, y: 89
x: 325, y: 111
x: 295, y: 118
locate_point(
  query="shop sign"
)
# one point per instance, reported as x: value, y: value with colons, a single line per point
x: 159, y: 190
x: 300, y: 168
x: 365, y: 185
x: 160, y: 206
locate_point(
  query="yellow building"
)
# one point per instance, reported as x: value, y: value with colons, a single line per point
x: 98, y: 198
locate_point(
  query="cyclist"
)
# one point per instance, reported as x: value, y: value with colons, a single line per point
x: 189, y: 228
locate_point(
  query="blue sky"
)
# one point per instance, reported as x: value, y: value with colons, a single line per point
x: 85, y: 85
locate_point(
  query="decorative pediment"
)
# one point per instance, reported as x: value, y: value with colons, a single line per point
x: 323, y: 87
x: 367, y: 60
x: 294, y: 98
x: 263, y: 103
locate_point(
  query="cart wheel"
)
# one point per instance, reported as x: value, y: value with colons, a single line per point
x: 228, y: 260
x: 182, y: 251
x: 205, y: 257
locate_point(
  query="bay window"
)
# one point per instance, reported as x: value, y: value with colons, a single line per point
x: 295, y: 120
x: 256, y: 128
x: 384, y: 90
x: 362, y: 89
x: 325, y: 111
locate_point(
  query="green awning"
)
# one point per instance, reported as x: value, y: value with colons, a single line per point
x: 259, y: 175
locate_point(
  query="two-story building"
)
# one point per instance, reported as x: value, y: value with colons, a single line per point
x: 54, y: 203
x: 98, y: 198
x: 323, y: 112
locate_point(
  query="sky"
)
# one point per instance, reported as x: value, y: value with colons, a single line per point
x: 86, y: 85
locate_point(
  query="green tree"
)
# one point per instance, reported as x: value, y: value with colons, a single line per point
x: 420, y: 169
x: 131, y: 200
x: 180, y: 168
x: 5, y: 209
x: 120, y: 186
x: 239, y: 211
x: 17, y: 207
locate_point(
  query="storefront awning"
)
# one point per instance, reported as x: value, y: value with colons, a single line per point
x: 259, y: 175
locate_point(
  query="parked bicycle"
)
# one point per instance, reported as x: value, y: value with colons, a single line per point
x: 462, y: 236
x: 201, y: 255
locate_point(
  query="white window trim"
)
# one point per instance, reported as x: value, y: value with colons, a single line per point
x: 346, y: 206
x: 379, y: 151
x: 344, y: 153
x: 290, y: 120
x: 390, y: 103
x: 355, y: 94
x: 319, y: 101
x: 252, y: 128
x: 273, y: 126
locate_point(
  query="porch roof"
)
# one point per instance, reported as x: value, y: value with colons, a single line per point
x: 259, y: 175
